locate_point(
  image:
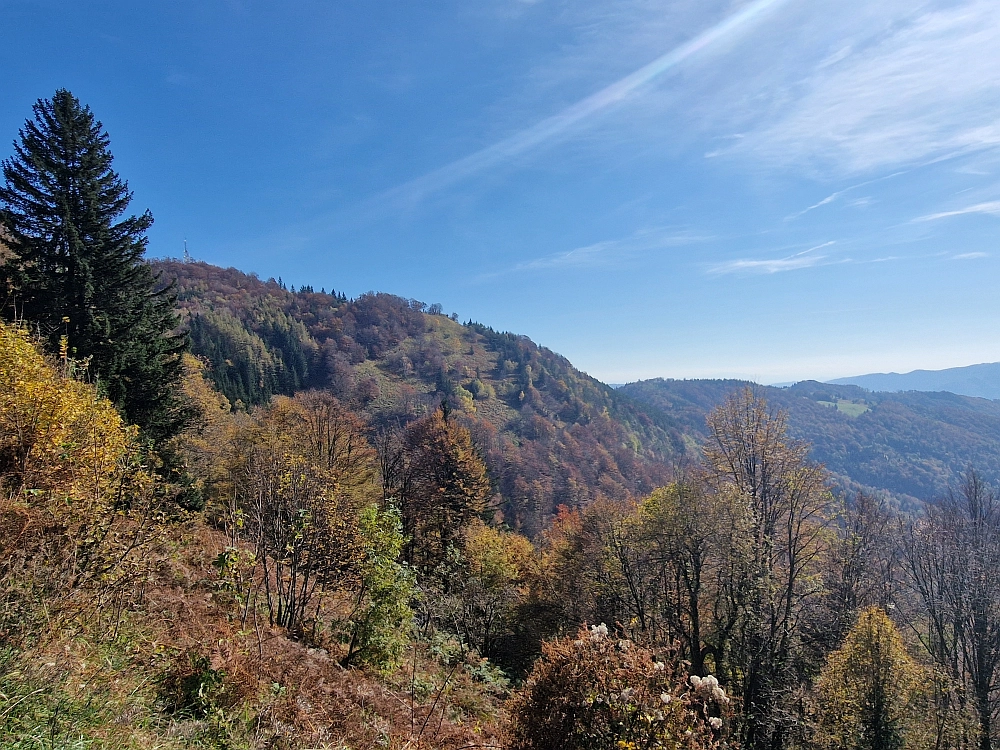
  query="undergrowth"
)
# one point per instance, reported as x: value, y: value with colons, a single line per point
x: 189, y: 668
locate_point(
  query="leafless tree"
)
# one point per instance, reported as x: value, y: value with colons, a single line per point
x: 864, y: 563
x: 952, y: 555
x: 778, y: 502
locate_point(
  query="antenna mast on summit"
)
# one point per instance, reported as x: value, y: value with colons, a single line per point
x: 187, y: 255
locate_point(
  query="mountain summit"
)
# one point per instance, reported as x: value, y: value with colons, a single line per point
x: 975, y: 380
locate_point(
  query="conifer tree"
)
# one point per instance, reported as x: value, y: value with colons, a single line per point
x: 77, y: 269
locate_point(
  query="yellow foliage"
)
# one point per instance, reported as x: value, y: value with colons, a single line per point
x: 872, y: 694
x: 56, y: 435
x: 209, y: 432
x: 71, y: 470
x: 209, y: 405
x: 499, y: 567
x: 302, y: 471
x: 497, y: 558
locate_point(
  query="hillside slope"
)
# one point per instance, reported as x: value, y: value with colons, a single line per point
x: 550, y: 434
x: 912, y: 445
x: 982, y: 380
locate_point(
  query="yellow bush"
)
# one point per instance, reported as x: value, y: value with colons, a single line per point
x: 71, y: 471
x: 56, y: 435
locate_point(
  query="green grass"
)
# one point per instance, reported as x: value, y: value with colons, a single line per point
x: 42, y: 707
x: 850, y: 408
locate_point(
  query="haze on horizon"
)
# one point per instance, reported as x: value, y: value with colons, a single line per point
x: 774, y: 190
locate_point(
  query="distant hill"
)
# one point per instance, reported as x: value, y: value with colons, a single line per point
x: 551, y: 434
x: 912, y: 445
x: 975, y: 380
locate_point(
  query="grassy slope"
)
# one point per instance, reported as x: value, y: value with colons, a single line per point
x: 184, y: 670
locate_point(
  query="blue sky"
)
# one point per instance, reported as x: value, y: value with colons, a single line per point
x: 778, y: 189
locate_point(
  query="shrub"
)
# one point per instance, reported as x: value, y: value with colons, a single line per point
x: 598, y: 691
x: 192, y: 688
x: 75, y: 494
x: 379, y: 623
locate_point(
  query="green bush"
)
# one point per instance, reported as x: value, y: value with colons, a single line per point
x: 192, y: 688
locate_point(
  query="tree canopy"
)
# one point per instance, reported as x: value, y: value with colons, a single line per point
x: 76, y: 273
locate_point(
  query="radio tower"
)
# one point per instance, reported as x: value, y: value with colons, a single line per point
x: 187, y: 255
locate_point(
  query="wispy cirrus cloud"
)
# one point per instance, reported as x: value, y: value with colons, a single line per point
x: 571, y: 117
x: 838, y: 194
x: 843, y: 85
x: 970, y: 256
x: 825, y: 201
x: 850, y: 85
x: 925, y: 87
x: 991, y: 208
x: 610, y: 253
x: 589, y: 255
x: 805, y: 259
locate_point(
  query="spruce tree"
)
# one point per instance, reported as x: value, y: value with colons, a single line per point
x: 77, y: 269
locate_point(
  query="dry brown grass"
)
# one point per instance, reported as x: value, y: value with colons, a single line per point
x: 295, y: 695
x: 132, y: 677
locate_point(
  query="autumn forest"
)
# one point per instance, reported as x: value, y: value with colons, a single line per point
x: 237, y: 514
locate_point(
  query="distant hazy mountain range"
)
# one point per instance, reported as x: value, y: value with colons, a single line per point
x: 975, y: 380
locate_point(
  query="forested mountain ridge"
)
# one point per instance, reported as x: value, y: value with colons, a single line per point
x: 981, y: 380
x: 914, y: 445
x: 551, y: 434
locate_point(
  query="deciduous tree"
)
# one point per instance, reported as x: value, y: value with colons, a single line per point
x: 873, y: 695
x: 77, y: 503
x: 302, y: 473
x: 777, y: 501
x: 952, y: 556
x: 379, y: 621
x: 494, y: 568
